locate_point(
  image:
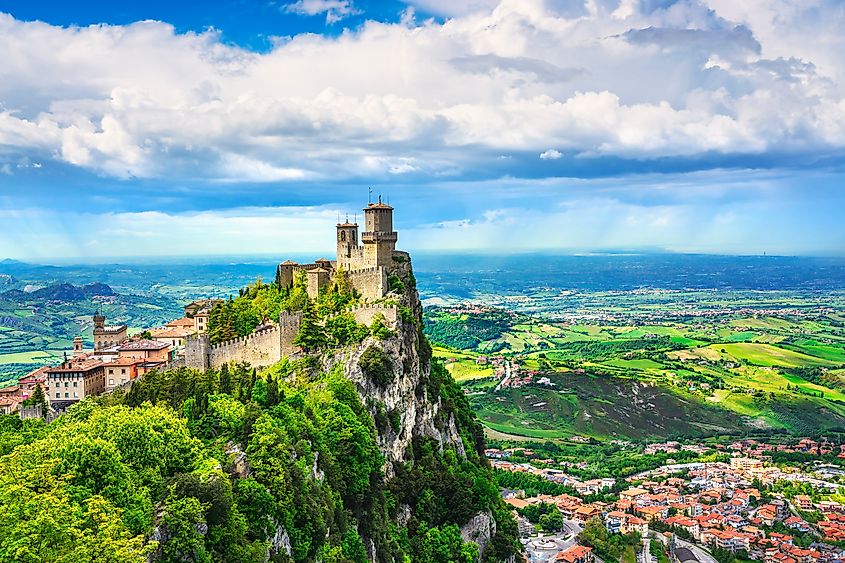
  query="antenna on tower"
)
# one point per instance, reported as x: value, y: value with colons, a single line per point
x: 370, y: 195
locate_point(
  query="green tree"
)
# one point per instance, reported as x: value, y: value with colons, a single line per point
x: 311, y: 335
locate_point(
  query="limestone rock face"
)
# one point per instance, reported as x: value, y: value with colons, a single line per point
x: 480, y: 529
x: 405, y: 398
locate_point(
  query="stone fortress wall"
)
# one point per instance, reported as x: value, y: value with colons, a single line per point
x: 366, y: 267
x: 267, y: 346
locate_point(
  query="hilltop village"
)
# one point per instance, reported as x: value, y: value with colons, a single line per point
x: 365, y: 259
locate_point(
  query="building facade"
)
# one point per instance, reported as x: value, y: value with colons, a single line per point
x: 108, y: 336
x: 75, y: 379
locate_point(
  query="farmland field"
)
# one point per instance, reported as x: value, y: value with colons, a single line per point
x: 737, y: 360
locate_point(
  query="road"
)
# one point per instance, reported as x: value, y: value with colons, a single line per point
x: 645, y: 555
x: 545, y: 549
x: 506, y: 378
x: 702, y: 555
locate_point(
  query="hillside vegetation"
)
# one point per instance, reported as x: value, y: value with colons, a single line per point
x: 361, y: 449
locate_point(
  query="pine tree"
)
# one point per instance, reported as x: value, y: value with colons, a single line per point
x: 38, y: 398
x: 225, y: 380
x: 311, y: 335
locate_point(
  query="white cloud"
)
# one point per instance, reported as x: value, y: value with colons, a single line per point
x: 600, y: 78
x: 551, y: 154
x: 335, y: 10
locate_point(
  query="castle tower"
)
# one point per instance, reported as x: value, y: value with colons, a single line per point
x: 77, y: 346
x: 284, y: 273
x: 317, y: 278
x: 379, y: 237
x: 347, y: 244
x: 99, y: 330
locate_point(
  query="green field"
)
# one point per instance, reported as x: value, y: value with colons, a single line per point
x: 728, y: 372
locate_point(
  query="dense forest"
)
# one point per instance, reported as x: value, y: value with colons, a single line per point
x: 465, y: 332
x: 157, y: 471
x: 240, y: 465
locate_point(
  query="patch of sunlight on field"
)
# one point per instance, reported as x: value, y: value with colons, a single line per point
x: 27, y: 357
x: 770, y: 323
x: 767, y: 355
x: 464, y: 370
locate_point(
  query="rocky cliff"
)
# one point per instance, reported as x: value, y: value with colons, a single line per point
x: 413, y: 405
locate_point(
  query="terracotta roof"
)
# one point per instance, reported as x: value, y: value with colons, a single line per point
x: 175, y: 332
x: 289, y: 263
x: 143, y: 345
x: 516, y: 502
x: 77, y: 365
x: 184, y: 321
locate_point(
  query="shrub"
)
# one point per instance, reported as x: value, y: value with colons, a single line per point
x: 378, y: 328
x: 395, y: 284
x: 377, y: 366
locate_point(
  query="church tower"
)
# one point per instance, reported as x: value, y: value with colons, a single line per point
x: 347, y: 245
x: 379, y: 237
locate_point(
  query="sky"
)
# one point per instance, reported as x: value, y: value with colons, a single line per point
x: 249, y: 127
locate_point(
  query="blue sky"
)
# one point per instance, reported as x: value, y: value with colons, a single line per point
x: 227, y: 127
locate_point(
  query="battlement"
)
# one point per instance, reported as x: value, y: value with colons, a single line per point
x: 263, y: 347
x: 369, y: 270
x: 365, y: 313
x: 246, y: 339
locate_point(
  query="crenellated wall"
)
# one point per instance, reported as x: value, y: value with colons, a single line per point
x: 370, y: 282
x: 269, y: 345
x: 259, y: 349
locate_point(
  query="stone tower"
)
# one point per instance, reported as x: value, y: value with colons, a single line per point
x: 347, y: 245
x: 378, y: 237
x: 77, y: 346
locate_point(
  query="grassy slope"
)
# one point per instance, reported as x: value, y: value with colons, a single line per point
x: 601, y: 407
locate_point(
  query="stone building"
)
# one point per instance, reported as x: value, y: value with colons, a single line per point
x: 365, y: 264
x: 108, y: 336
x: 75, y: 379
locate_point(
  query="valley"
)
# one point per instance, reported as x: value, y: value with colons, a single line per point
x: 649, y: 363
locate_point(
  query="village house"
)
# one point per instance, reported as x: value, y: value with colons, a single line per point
x: 576, y: 554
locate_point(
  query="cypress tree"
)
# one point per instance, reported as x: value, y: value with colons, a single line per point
x: 311, y: 335
x: 272, y: 391
x: 39, y: 399
x: 225, y: 380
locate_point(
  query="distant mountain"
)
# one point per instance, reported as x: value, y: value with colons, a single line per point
x: 62, y: 292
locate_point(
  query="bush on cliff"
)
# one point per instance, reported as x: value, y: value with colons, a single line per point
x: 376, y: 366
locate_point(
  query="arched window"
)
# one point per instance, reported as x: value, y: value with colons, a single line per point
x: 343, y: 236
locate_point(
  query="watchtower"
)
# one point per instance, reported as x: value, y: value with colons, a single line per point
x: 378, y: 237
x: 347, y: 244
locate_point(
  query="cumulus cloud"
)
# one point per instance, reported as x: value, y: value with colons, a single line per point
x: 335, y: 10
x: 695, y: 80
x: 551, y: 154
